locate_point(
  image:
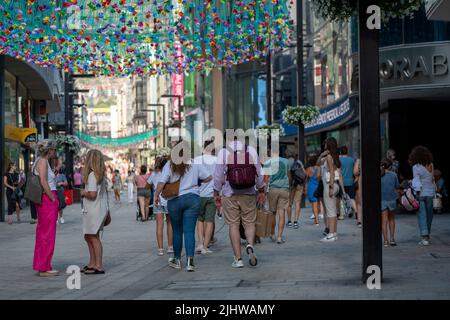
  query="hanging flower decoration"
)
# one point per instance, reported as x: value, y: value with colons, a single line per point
x: 142, y: 37
x: 305, y: 114
x: 68, y: 143
x: 267, y: 129
x: 344, y: 9
x: 161, y: 152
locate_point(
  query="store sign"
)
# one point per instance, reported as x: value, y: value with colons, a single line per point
x: 334, y: 114
x: 22, y: 135
x: 410, y: 66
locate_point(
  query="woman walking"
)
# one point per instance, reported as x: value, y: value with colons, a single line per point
x: 117, y: 185
x: 47, y: 211
x: 311, y: 188
x: 143, y: 192
x: 423, y: 184
x: 61, y: 184
x: 331, y: 178
x: 11, y: 183
x: 160, y: 210
x: 184, y: 207
x: 389, y: 195
x: 96, y: 209
x: 130, y: 185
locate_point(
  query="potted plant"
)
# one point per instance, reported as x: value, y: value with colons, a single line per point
x: 300, y: 114
x: 68, y: 143
x: 267, y: 129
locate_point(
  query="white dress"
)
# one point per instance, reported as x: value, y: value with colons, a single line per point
x: 95, y: 211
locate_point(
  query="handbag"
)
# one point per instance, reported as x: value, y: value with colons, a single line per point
x: 437, y: 202
x: 33, y: 189
x: 171, y: 190
x: 108, y: 219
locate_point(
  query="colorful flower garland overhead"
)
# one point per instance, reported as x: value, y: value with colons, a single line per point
x: 142, y: 37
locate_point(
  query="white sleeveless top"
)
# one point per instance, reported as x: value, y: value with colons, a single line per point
x: 51, y: 177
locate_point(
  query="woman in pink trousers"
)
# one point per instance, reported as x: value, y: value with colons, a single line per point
x: 47, y: 211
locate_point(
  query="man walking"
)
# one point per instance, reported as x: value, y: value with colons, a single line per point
x: 278, y: 181
x: 207, y: 216
x: 348, y: 164
x: 237, y: 172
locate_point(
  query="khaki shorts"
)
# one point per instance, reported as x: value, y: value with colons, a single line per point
x: 278, y: 199
x: 239, y: 208
x: 295, y: 194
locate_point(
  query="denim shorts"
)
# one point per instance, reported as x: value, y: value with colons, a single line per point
x: 160, y: 209
x: 388, y: 205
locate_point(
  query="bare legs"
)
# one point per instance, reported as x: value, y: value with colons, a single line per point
x: 316, y: 210
x: 388, y: 218
x: 160, y: 231
x: 144, y: 204
x: 205, y: 232
x: 250, y: 231
x: 281, y: 222
x: 95, y: 251
x: 18, y: 211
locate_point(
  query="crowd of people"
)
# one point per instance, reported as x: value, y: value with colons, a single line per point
x: 187, y: 195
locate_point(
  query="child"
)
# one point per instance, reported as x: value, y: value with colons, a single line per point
x: 389, y: 195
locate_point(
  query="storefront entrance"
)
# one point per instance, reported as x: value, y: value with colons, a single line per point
x: 419, y: 122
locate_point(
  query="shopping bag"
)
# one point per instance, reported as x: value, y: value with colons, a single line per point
x: 68, y: 197
x: 264, y: 220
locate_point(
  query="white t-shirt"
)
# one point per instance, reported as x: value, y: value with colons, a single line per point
x: 189, y: 181
x: 154, y: 180
x: 209, y: 163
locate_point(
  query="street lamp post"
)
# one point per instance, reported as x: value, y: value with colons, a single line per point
x: 164, y: 118
x: 301, y: 126
x: 369, y: 124
x: 179, y: 106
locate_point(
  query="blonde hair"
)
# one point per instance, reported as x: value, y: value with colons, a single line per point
x: 94, y: 163
x: 44, y: 146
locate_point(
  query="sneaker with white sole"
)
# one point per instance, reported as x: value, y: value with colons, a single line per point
x: 237, y: 263
x: 175, y: 263
x: 312, y: 217
x: 289, y: 224
x: 51, y: 273
x: 199, y: 249
x: 424, y: 242
x: 331, y: 237
x: 296, y: 225
x: 190, y: 265
x: 251, y: 255
x: 321, y: 216
x: 61, y: 221
x: 206, y: 251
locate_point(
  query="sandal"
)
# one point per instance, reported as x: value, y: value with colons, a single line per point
x: 393, y: 243
x: 160, y: 252
x: 386, y: 244
x: 86, y: 268
x: 94, y: 271
x: 170, y: 250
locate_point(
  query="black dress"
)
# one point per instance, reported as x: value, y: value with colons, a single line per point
x: 13, y: 180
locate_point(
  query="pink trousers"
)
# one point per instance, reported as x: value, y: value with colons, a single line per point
x: 47, y: 213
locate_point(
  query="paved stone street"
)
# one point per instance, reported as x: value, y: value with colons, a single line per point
x: 302, y: 268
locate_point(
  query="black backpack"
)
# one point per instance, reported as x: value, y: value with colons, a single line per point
x: 298, y: 173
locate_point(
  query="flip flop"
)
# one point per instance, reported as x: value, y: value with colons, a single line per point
x: 86, y: 268
x: 94, y: 271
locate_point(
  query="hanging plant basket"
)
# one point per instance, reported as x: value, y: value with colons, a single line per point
x: 304, y: 114
x: 267, y: 129
x: 344, y: 9
x: 161, y: 152
x: 68, y: 143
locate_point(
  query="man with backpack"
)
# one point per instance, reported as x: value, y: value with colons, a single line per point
x: 298, y: 180
x: 237, y: 173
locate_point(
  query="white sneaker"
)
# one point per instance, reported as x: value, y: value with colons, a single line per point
x: 424, y: 242
x: 312, y: 217
x: 199, y: 249
x: 61, y: 220
x: 237, y: 263
x: 321, y: 216
x: 206, y: 251
x: 329, y: 238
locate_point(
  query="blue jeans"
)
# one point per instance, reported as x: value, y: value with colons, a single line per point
x: 425, y: 215
x: 183, y: 211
